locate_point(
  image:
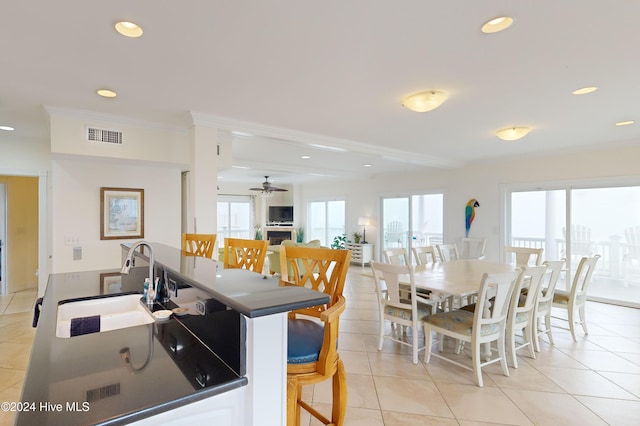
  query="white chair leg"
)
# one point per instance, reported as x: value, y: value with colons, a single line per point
x: 427, y: 343
x: 476, y: 354
x: 511, y: 343
x: 572, y: 324
x: 547, y: 322
x: 503, y: 356
x: 536, y: 335
x: 583, y: 319
x: 528, y: 333
x: 414, y: 339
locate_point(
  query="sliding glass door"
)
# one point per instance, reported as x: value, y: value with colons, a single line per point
x: 574, y: 222
x: 412, y: 220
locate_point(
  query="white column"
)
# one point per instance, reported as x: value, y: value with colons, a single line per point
x: 204, y: 180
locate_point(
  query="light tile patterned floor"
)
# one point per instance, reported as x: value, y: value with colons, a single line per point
x: 595, y: 381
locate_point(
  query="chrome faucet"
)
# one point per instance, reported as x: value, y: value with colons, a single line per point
x: 151, y: 292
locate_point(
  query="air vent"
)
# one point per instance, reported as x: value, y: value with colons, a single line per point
x: 104, y: 136
x: 103, y: 392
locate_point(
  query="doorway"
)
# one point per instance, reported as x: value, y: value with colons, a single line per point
x: 20, y: 233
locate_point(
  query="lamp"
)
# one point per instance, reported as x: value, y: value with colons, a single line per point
x: 425, y: 101
x: 513, y: 133
x: 363, y: 221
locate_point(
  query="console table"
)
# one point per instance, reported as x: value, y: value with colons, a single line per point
x: 360, y: 253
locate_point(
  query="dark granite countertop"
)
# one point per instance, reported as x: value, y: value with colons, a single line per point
x: 71, y: 371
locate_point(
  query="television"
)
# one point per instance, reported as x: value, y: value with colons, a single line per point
x: 281, y: 214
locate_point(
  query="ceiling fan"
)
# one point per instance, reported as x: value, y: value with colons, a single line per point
x: 267, y: 188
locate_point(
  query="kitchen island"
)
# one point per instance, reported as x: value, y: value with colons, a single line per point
x: 222, y: 360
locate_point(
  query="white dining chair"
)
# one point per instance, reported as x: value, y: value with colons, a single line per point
x: 480, y: 327
x: 524, y: 256
x: 394, y: 307
x: 521, y: 316
x: 424, y: 255
x: 448, y: 252
x: 397, y: 256
x: 473, y: 248
x: 545, y: 299
x: 575, y: 300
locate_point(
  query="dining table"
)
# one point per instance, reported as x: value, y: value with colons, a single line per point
x: 457, y: 279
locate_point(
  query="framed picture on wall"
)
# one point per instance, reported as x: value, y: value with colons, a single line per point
x: 110, y: 283
x: 121, y: 213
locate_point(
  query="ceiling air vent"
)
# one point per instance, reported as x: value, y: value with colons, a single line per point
x: 105, y: 136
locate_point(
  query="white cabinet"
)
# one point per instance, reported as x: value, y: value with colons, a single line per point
x: 360, y: 253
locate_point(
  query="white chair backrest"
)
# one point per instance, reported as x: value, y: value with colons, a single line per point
x: 582, y: 277
x: 524, y: 256
x: 422, y: 254
x: 554, y: 268
x: 448, y: 252
x: 473, y: 248
x: 397, y: 256
x: 390, y: 274
x: 534, y: 275
x: 499, y: 288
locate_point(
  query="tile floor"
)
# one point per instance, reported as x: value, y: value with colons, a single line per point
x: 595, y: 381
x: 16, y: 338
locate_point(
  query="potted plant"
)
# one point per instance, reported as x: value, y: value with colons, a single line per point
x: 339, y: 241
x: 258, y: 230
x: 300, y: 234
x: 357, y: 237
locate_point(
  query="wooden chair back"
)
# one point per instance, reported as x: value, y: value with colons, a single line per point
x: 198, y: 244
x: 247, y: 254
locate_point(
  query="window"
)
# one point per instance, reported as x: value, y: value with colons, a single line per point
x: 326, y: 221
x: 235, y: 219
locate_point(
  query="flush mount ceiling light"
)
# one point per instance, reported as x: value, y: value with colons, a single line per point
x: 128, y: 29
x: 625, y: 123
x: 513, y: 133
x: 425, y: 101
x: 7, y: 128
x: 584, y: 90
x: 305, y: 157
x: 106, y: 93
x: 497, y: 24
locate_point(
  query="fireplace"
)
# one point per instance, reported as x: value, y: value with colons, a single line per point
x: 277, y: 234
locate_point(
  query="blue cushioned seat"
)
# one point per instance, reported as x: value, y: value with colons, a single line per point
x: 304, y: 341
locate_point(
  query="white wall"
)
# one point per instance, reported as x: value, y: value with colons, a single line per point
x: 75, y: 190
x: 481, y: 181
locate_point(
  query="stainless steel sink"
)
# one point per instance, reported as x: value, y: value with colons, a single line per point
x: 114, y: 312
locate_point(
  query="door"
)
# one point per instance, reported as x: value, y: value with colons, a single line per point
x: 412, y: 221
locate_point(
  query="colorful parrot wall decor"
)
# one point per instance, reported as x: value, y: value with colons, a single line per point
x: 469, y: 214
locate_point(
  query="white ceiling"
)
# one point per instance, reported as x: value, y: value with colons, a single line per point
x: 333, y: 73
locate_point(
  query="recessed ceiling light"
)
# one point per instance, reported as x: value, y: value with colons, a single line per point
x: 584, y: 90
x: 128, y: 29
x: 513, y: 133
x: 305, y: 157
x: 425, y: 101
x: 240, y: 167
x: 366, y: 165
x: 7, y: 128
x: 497, y: 24
x: 625, y: 123
x: 106, y: 93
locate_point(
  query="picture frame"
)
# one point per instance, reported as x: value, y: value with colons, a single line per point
x: 111, y: 283
x: 121, y: 213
